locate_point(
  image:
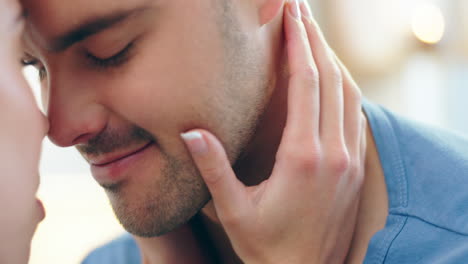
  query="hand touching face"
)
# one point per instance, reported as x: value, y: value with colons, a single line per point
x: 305, y: 212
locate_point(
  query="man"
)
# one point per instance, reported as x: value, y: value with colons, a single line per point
x: 337, y: 182
x: 123, y: 86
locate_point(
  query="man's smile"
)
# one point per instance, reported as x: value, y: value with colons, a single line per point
x: 114, y: 167
x: 107, y: 159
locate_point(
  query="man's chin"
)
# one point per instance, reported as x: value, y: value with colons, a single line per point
x: 155, y: 228
x: 154, y: 219
x: 159, y: 199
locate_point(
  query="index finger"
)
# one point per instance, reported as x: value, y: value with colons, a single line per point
x: 303, y: 92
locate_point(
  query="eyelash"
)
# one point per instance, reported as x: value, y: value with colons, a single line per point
x: 113, y: 62
x: 37, y: 64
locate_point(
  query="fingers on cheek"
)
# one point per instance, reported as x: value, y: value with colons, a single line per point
x: 297, y: 42
x: 330, y: 70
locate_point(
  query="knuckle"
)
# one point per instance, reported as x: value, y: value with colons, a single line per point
x: 339, y: 163
x: 308, y: 163
x: 305, y: 161
x: 302, y: 155
x: 231, y: 219
x: 310, y: 74
x: 334, y: 73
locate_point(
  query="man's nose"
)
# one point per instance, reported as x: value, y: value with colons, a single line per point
x: 74, y: 114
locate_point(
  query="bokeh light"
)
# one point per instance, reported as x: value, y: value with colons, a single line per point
x: 428, y: 23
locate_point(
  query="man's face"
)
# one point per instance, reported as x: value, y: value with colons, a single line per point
x: 132, y: 76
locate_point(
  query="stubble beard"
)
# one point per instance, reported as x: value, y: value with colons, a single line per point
x: 163, y: 204
x: 179, y: 192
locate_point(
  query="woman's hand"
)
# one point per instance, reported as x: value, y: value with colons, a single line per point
x: 305, y: 212
x: 22, y: 129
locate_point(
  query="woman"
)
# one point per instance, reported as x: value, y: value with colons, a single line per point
x: 23, y: 128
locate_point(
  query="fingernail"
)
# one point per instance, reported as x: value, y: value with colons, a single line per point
x: 306, y: 11
x: 294, y: 8
x: 195, y: 142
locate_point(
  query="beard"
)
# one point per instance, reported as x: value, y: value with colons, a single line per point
x: 163, y: 204
x: 177, y: 191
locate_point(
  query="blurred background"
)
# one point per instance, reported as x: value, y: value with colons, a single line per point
x: 408, y: 55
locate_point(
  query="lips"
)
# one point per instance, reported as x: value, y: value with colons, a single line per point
x: 114, y: 157
x: 119, y: 166
x: 41, y: 210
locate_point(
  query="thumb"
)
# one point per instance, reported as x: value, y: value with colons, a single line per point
x: 227, y: 191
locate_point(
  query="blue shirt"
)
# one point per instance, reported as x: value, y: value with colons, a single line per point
x: 122, y: 250
x: 426, y: 173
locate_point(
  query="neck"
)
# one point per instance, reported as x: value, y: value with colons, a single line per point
x: 184, y: 245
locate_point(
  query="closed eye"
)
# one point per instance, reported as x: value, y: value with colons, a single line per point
x: 112, y: 62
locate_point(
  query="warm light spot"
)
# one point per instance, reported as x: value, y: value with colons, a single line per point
x: 428, y: 23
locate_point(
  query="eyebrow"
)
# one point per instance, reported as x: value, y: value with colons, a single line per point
x: 89, y: 28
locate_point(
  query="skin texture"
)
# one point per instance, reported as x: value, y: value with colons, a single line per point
x: 23, y: 128
x: 219, y: 66
x: 330, y: 171
x: 96, y: 108
x: 90, y: 107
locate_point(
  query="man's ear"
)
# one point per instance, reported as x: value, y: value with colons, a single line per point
x: 268, y: 9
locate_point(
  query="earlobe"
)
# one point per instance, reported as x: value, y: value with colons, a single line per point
x: 269, y: 9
